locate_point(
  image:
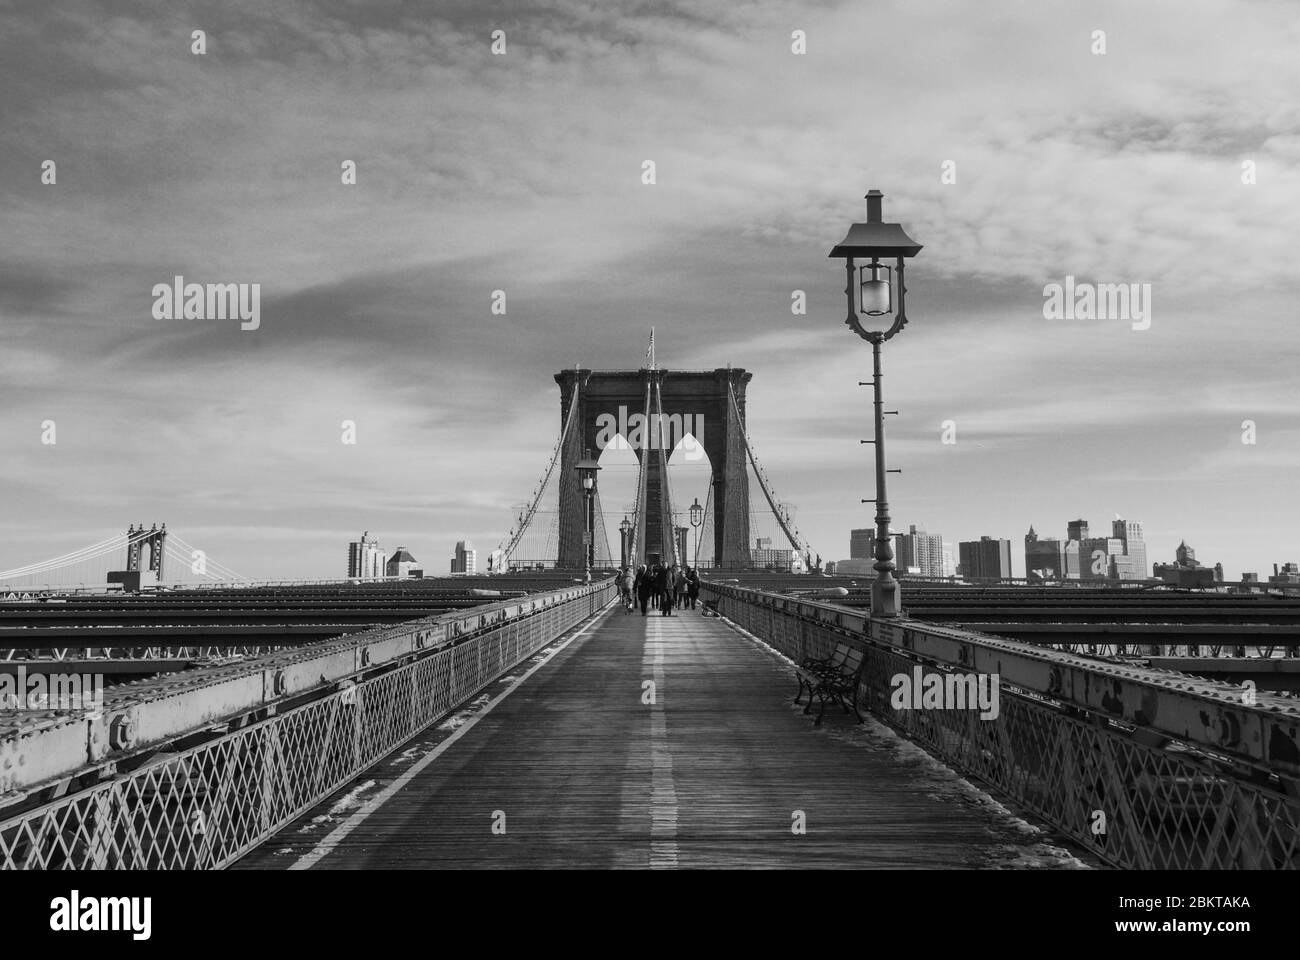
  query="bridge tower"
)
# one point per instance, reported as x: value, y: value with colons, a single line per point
x: 704, y: 397
x: 155, y: 538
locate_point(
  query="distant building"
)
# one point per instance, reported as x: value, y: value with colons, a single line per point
x: 1044, y: 558
x: 1186, y: 571
x: 466, y: 558
x: 1249, y: 584
x: 985, y: 558
x: 1121, y: 556
x: 862, y: 543
x: 402, y: 564
x: 1129, y: 533
x: 1097, y: 558
x: 1290, y: 573
x: 764, y: 556
x: 949, y: 563
x: 855, y: 567
x: 918, y: 552
x: 365, y: 558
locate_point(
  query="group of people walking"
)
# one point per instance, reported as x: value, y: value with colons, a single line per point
x: 667, y: 586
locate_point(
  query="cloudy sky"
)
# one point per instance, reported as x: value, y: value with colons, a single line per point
x: 522, y: 172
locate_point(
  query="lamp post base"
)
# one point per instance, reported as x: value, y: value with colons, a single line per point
x: 886, y: 600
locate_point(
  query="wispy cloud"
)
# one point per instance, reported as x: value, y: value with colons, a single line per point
x: 522, y: 173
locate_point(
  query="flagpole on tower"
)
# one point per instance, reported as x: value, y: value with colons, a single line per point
x: 650, y: 350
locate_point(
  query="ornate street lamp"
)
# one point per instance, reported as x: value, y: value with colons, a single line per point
x: 626, y: 529
x: 697, y: 518
x: 876, y: 291
x: 587, y: 469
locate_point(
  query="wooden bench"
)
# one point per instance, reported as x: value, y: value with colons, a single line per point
x: 710, y: 608
x: 831, y: 678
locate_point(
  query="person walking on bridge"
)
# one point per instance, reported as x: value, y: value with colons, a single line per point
x: 643, y: 587
x: 665, y: 583
x: 692, y: 586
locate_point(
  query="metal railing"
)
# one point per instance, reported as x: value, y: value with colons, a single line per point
x: 203, y: 806
x: 1145, y: 768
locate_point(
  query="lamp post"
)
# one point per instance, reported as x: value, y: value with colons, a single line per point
x: 625, y: 528
x: 587, y: 469
x: 880, y: 294
x: 697, y: 518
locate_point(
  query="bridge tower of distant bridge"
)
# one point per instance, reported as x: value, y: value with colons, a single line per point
x: 155, y: 539
x: 665, y: 400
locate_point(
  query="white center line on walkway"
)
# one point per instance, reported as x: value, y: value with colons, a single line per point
x: 663, y: 794
x: 330, y: 842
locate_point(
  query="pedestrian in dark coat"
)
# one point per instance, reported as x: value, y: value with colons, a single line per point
x: 664, y: 585
x: 644, y: 587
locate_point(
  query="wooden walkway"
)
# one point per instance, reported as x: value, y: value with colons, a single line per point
x: 579, y: 771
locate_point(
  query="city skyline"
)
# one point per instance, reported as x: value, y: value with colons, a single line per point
x: 376, y: 298
x: 1133, y: 550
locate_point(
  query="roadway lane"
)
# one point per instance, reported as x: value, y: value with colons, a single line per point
x: 582, y: 772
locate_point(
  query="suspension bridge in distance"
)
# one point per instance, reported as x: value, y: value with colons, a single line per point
x: 527, y: 719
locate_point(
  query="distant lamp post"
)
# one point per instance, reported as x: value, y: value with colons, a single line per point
x: 876, y: 290
x: 626, y: 529
x: 587, y: 469
x: 697, y: 518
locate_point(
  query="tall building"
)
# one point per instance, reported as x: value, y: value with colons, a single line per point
x: 402, y: 564
x: 985, y: 558
x: 949, y: 563
x: 365, y: 558
x: 466, y: 558
x: 1121, y: 556
x: 862, y: 543
x: 1129, y: 532
x: 919, y: 552
x: 1044, y: 558
x: 1071, y: 551
x: 1096, y: 557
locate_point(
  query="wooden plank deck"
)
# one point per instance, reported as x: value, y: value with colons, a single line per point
x: 709, y: 775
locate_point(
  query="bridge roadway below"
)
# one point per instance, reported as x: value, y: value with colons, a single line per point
x: 711, y: 775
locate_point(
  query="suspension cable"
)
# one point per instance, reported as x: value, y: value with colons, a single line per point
x: 546, y: 478
x: 792, y: 534
x: 642, y: 480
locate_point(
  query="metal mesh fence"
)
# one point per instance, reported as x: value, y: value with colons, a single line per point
x: 1135, y: 805
x: 204, y: 807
